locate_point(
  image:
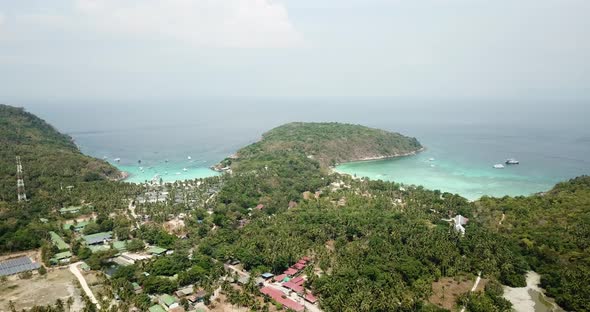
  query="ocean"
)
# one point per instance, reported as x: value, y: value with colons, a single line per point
x: 463, y: 138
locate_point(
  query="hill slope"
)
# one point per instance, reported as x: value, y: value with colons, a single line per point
x: 48, y: 157
x: 331, y: 143
x: 553, y: 231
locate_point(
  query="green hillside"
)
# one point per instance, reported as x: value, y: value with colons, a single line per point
x: 331, y: 143
x: 553, y: 231
x: 48, y: 157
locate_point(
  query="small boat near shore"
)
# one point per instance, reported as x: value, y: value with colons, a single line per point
x: 117, y: 159
x: 498, y: 166
x: 185, y: 170
x: 512, y: 161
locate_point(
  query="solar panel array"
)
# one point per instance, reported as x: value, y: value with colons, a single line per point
x: 17, y: 265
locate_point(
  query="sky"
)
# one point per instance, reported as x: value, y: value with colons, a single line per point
x: 159, y: 49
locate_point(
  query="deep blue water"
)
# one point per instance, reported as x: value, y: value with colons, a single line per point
x: 466, y: 138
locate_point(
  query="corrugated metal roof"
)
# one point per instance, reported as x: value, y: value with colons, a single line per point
x: 97, y: 238
x: 17, y: 265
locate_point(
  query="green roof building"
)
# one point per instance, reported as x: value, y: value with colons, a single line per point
x: 157, y: 251
x: 77, y: 227
x: 98, y: 238
x: 120, y: 245
x: 167, y: 301
x: 156, y: 308
x: 58, y: 241
x: 62, y: 257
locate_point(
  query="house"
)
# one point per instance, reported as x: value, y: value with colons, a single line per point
x: 98, y: 238
x: 292, y: 204
x: 137, y: 288
x: 459, y: 219
x: 77, y: 226
x: 71, y: 209
x: 298, y: 280
x: 183, y: 292
x: 260, y: 207
x: 299, y: 266
x: 61, y: 258
x: 306, y: 259
x: 310, y: 298
x: 291, y: 271
x: 156, y: 251
x: 280, y: 278
x: 156, y: 308
x: 267, y: 275
x: 243, y: 279
x: 167, y: 301
x: 294, y: 287
x: 199, y: 296
x: 120, y: 245
x: 281, y: 298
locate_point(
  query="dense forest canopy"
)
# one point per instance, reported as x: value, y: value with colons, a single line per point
x: 51, y: 162
x: 332, y: 143
x: 553, y: 232
x: 47, y: 156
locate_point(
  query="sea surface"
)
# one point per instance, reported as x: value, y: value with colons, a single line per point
x: 463, y: 139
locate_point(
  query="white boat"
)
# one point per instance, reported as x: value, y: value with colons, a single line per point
x: 430, y: 159
x: 185, y: 169
x: 189, y: 158
x: 512, y: 161
x: 117, y: 159
x: 141, y: 168
x: 499, y: 166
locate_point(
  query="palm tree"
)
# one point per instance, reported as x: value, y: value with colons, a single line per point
x: 69, y: 303
x: 59, y: 304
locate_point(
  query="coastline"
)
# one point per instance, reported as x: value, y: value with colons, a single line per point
x: 383, y: 157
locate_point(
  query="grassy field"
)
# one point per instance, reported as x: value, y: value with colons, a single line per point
x: 446, y: 291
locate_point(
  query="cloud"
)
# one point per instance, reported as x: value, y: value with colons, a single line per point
x: 200, y: 23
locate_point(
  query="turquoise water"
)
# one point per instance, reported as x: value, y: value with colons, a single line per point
x: 551, y: 139
x: 462, y: 163
x: 168, y: 172
x: 447, y: 175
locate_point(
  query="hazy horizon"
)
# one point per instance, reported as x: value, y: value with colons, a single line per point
x: 169, y: 49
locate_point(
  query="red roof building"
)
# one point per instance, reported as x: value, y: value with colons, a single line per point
x: 291, y: 271
x: 260, y: 207
x: 280, y: 278
x: 306, y: 258
x: 294, y: 287
x: 310, y: 298
x: 281, y: 298
x: 298, y: 281
x: 302, y: 261
x: 299, y: 266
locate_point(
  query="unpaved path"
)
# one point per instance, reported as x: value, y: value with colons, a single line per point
x: 74, y: 269
x: 474, y: 287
